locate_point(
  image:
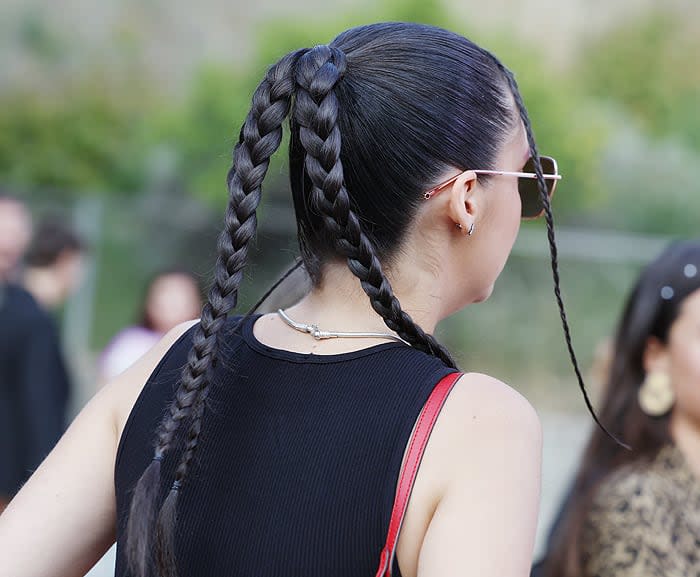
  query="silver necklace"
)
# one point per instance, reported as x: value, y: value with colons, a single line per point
x: 318, y: 334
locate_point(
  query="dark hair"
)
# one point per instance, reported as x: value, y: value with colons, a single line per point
x: 376, y: 118
x: 145, y: 319
x: 646, y: 314
x: 51, y: 240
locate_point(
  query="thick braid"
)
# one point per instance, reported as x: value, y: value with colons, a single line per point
x: 260, y: 137
x: 549, y: 219
x: 316, y: 113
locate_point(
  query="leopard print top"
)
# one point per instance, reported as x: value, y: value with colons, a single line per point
x: 645, y: 521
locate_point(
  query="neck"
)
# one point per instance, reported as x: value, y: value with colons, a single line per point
x: 340, y: 303
x: 42, y: 285
x: 686, y: 434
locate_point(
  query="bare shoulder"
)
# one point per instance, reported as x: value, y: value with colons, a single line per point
x: 483, y: 403
x: 121, y: 393
x: 484, y: 424
x: 477, y: 491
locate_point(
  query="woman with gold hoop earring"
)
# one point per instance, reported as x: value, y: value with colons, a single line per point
x: 637, y: 512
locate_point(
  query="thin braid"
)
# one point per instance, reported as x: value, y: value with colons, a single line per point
x: 554, y: 253
x: 299, y: 263
x: 316, y: 113
x: 260, y: 137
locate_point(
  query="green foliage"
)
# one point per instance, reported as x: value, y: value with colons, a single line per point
x: 277, y: 37
x: 202, y: 131
x: 81, y: 139
x: 649, y: 67
x: 566, y: 125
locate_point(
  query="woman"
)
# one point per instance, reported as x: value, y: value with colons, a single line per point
x: 637, y: 513
x: 172, y: 297
x: 278, y: 454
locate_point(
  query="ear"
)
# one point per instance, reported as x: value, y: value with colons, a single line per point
x: 463, y: 206
x: 656, y: 357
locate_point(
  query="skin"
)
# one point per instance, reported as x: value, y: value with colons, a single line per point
x: 680, y: 359
x: 15, y: 234
x: 52, y: 285
x: 172, y: 299
x: 474, y: 507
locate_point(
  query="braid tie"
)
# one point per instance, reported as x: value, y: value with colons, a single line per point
x: 554, y: 253
x: 316, y: 114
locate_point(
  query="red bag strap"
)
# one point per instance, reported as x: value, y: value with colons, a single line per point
x: 416, y: 448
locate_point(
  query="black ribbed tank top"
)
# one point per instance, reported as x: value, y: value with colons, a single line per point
x: 298, y: 459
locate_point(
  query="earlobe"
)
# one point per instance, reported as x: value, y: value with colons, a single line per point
x: 463, y: 206
x: 655, y: 356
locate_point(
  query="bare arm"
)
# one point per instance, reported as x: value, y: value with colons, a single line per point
x: 64, y: 518
x: 488, y: 442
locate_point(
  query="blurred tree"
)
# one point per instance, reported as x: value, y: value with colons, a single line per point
x: 567, y: 125
x: 202, y: 130
x: 649, y: 67
x: 84, y: 138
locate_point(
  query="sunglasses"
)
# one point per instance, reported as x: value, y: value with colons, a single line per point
x: 530, y: 198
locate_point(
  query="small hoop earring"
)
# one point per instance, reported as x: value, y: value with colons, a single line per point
x: 469, y: 232
x: 655, y: 396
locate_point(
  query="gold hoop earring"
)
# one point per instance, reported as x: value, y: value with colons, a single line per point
x: 656, y: 396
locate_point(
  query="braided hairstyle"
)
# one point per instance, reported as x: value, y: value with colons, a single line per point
x: 260, y: 137
x: 376, y: 118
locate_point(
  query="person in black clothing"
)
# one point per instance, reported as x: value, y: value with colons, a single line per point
x: 34, y: 383
x: 15, y: 234
x: 54, y: 264
x: 34, y: 388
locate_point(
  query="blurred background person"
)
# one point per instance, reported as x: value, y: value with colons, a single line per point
x: 172, y: 297
x: 54, y: 264
x: 637, y: 513
x: 15, y: 234
x: 34, y: 383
